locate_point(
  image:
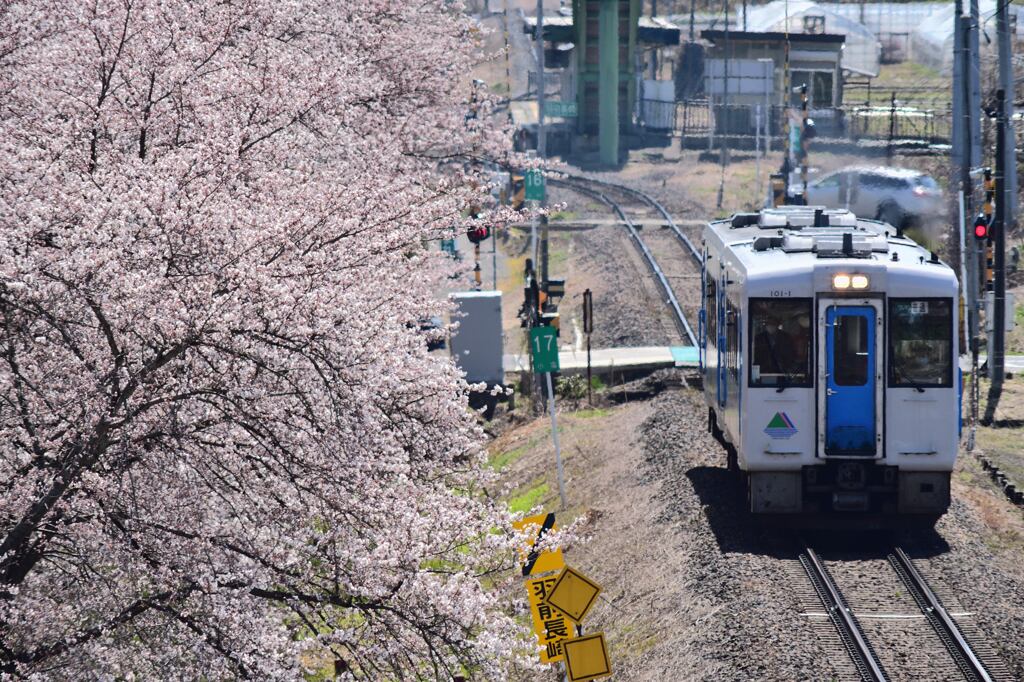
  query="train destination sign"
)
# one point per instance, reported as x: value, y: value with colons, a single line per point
x: 534, y: 562
x: 573, y: 594
x: 586, y: 658
x: 551, y: 626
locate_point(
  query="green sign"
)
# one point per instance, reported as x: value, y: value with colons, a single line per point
x: 534, y: 181
x: 544, y: 348
x: 561, y: 109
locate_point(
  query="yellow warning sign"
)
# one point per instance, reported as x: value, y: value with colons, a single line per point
x: 552, y: 627
x: 535, y: 563
x: 573, y: 594
x: 586, y: 658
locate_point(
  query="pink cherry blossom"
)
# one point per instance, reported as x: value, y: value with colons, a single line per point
x: 224, y: 449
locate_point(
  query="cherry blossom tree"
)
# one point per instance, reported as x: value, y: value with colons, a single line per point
x: 224, y: 449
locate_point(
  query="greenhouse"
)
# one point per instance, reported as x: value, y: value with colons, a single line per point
x: 861, y: 53
x: 931, y: 43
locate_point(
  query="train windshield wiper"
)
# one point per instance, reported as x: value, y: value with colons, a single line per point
x: 784, y: 382
x: 913, y: 384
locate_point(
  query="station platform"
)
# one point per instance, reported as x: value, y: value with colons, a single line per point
x: 607, y: 360
x: 1014, y: 363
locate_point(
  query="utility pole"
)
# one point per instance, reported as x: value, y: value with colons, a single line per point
x: 966, y: 124
x: 654, y: 53
x: 964, y: 152
x: 892, y: 128
x: 997, y: 353
x: 1006, y: 85
x: 959, y: 71
x: 724, y: 154
x: 541, y: 136
x: 974, y: 82
x: 544, y: 252
x: 691, y: 19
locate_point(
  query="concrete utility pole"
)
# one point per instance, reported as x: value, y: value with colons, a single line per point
x: 963, y: 153
x: 541, y: 136
x: 724, y: 153
x: 968, y: 243
x: 997, y: 353
x: 974, y: 81
x: 1006, y: 85
x: 654, y: 53
x: 959, y: 72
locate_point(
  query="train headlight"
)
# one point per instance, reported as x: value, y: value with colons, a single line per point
x: 840, y: 281
x: 859, y: 281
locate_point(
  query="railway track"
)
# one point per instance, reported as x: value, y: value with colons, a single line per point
x: 661, y: 251
x: 893, y: 624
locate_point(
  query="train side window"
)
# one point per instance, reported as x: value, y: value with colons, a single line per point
x: 851, y: 350
x: 921, y: 342
x: 711, y: 304
x: 780, y: 342
x: 731, y: 336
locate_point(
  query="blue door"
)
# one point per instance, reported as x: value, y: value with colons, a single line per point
x: 850, y: 349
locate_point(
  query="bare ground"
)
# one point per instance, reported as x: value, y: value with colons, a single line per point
x: 693, y: 590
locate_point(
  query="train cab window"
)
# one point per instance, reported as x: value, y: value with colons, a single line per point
x: 921, y: 342
x: 780, y: 342
x: 851, y: 350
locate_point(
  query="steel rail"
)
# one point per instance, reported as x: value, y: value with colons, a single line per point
x: 849, y: 629
x: 940, y: 619
x: 694, y: 251
x: 634, y: 234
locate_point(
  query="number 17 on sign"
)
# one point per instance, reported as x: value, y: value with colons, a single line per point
x: 544, y: 350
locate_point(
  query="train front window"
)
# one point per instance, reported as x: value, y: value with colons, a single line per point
x: 921, y: 342
x: 780, y: 342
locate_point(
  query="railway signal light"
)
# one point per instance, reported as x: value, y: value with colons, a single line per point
x: 981, y: 228
x: 478, y: 234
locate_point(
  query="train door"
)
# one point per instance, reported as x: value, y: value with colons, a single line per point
x: 851, y: 382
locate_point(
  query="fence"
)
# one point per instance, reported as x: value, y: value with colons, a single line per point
x: 698, y: 120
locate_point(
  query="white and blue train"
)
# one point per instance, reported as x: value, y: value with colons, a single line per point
x: 829, y: 352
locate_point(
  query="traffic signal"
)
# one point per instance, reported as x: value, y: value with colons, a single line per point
x: 981, y: 228
x: 810, y: 130
x: 478, y: 234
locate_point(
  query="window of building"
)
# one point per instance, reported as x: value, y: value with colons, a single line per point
x: 780, y: 342
x: 921, y: 342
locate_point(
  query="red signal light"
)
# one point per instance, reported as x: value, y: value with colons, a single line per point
x: 478, y: 234
x: 981, y: 228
